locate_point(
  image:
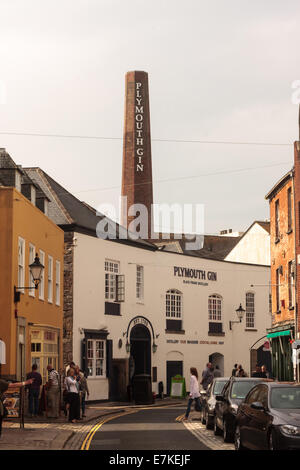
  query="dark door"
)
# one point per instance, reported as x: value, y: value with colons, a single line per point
x: 140, y: 350
x: 173, y: 368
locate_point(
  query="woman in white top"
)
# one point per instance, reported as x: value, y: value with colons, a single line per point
x: 73, y: 398
x: 194, y: 392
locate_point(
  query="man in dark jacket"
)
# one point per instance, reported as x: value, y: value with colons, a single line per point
x: 207, y: 376
x: 34, y: 391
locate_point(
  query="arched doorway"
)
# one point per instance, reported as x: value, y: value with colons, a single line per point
x: 217, y: 359
x: 140, y: 350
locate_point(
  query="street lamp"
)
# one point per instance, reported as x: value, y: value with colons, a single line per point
x: 240, y: 313
x: 127, y: 347
x: 36, y: 270
x: 154, y: 347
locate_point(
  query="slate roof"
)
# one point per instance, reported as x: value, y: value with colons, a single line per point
x: 6, y: 161
x: 72, y: 214
x: 214, y: 247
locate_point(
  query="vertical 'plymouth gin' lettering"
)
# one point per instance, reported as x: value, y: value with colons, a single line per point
x: 137, y: 167
x: 139, y: 126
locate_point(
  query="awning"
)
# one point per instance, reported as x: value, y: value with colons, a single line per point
x: 279, y: 333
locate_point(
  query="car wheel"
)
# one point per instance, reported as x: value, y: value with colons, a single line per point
x: 217, y: 430
x: 227, y: 435
x: 237, y: 440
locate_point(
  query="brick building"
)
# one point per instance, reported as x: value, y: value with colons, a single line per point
x: 284, y: 199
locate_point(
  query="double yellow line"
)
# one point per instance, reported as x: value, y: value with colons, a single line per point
x: 87, y: 441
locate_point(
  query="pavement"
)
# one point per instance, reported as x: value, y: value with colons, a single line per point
x: 206, y: 436
x: 58, y: 434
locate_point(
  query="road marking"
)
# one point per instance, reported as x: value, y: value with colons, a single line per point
x: 87, y: 441
x: 180, y: 417
x: 207, y: 437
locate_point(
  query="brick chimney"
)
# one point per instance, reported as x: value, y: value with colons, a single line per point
x: 137, y: 163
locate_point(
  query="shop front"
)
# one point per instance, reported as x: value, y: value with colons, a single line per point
x: 44, y: 348
x: 282, y: 363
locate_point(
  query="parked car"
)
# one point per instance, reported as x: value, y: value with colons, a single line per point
x: 269, y: 418
x: 208, y: 400
x: 228, y: 402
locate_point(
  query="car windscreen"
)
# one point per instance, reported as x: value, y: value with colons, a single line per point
x: 240, y: 389
x: 218, y: 387
x: 285, y: 398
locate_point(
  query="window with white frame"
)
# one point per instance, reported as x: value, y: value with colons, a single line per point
x: 57, y: 283
x: 42, y: 281
x: 215, y: 308
x: 50, y: 279
x: 31, y: 260
x: 250, y: 310
x: 173, y: 304
x: 111, y: 272
x: 96, y: 357
x: 140, y: 283
x: 21, y: 263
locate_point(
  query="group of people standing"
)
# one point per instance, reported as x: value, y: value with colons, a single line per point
x: 72, y: 383
x: 238, y: 371
x: 75, y: 392
x: 260, y: 371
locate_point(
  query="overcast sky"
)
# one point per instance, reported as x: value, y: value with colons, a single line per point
x: 218, y: 71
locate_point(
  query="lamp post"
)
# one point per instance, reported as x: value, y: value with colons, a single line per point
x: 240, y: 313
x: 36, y: 270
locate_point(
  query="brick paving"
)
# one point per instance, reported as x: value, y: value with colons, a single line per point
x: 204, y: 435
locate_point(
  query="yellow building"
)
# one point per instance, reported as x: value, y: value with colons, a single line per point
x: 31, y: 328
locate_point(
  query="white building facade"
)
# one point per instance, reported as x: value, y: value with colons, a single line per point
x: 254, y: 245
x: 138, y: 310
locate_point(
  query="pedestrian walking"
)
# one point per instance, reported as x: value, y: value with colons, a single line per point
x: 217, y: 372
x: 34, y: 391
x: 73, y: 400
x: 84, y: 392
x: 194, y: 393
x: 234, y: 370
x: 53, y: 392
x: 207, y: 376
x: 4, y: 386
